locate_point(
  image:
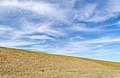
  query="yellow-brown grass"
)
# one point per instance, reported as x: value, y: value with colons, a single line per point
x: 16, y: 63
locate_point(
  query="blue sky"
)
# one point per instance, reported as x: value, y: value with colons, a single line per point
x: 83, y: 28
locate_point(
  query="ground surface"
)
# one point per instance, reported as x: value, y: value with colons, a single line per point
x: 16, y: 63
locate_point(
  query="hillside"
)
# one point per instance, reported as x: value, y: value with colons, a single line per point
x: 16, y: 63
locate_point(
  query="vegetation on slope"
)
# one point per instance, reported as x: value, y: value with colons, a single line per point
x: 16, y: 63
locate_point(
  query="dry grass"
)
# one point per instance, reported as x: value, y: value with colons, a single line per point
x: 16, y: 63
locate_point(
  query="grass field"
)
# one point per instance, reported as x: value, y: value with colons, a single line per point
x: 16, y: 63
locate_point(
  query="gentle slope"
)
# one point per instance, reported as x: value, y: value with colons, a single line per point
x: 16, y: 63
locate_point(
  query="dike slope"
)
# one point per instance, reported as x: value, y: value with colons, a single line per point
x: 17, y: 63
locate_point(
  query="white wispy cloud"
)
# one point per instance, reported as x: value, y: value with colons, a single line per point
x: 85, y: 12
x: 108, y: 10
x: 85, y: 28
x: 89, y: 12
x: 94, y: 47
x: 104, y: 40
x: 45, y: 27
x: 40, y: 7
x: 4, y: 29
x: 13, y: 43
x: 40, y: 37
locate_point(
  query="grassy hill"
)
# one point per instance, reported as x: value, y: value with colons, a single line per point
x: 16, y: 63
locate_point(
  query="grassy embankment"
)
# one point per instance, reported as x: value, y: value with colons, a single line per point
x: 16, y: 63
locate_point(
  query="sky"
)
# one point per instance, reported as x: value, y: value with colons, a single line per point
x: 82, y: 28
